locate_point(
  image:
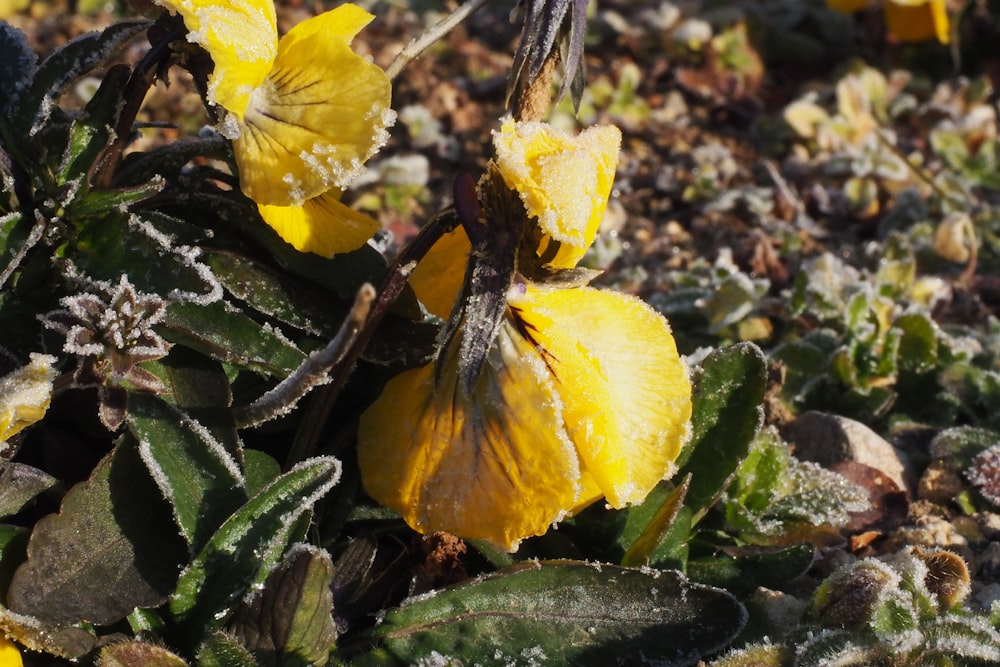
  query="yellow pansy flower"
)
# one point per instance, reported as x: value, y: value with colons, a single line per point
x: 322, y: 225
x: 582, y: 395
x: 564, y: 182
x: 10, y: 656
x: 437, y: 279
x: 24, y: 395
x: 573, y: 394
x: 305, y: 111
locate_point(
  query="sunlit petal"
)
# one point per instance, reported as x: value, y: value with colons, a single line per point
x: 625, y: 391
x: 918, y: 20
x: 563, y: 180
x: 438, y: 278
x: 242, y: 39
x: 320, y: 113
x: 322, y: 225
x: 25, y: 394
x: 495, y: 465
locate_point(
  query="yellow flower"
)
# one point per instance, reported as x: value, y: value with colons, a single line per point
x: 582, y: 395
x: 25, y: 395
x: 848, y: 6
x: 322, y: 225
x: 564, y: 182
x: 568, y: 395
x: 438, y: 278
x: 305, y: 112
x: 918, y: 20
x: 9, y: 655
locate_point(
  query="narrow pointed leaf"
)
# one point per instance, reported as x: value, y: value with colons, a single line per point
x: 726, y: 416
x: 642, y: 549
x: 17, y: 67
x: 231, y: 337
x: 70, y: 62
x: 111, y: 548
x: 197, y: 476
x: 562, y: 612
x: 248, y: 546
x: 290, y: 623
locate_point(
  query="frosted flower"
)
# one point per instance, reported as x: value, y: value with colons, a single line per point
x: 112, y: 334
x: 564, y: 182
x: 308, y: 110
x: 582, y: 395
x: 322, y: 225
x: 24, y: 397
x: 546, y: 394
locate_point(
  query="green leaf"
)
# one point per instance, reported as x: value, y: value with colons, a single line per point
x: 918, y: 346
x: 641, y: 550
x: 13, y: 551
x: 222, y: 650
x: 195, y: 473
x: 90, y: 133
x: 114, y: 527
x: 18, y: 64
x: 68, y: 63
x: 19, y: 484
x: 726, y: 417
x: 562, y: 612
x: 745, y: 571
x: 139, y: 654
x: 259, y: 470
x: 290, y: 622
x: 231, y: 337
x: 244, y: 551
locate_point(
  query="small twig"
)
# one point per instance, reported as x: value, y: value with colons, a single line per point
x: 419, y: 44
x: 313, y: 371
x: 319, y: 410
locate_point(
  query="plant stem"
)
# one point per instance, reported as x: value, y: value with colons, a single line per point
x: 419, y: 44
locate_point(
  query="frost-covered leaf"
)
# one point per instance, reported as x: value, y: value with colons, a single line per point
x: 231, y: 337
x: 195, y: 473
x: 13, y: 551
x: 90, y: 133
x: 561, y: 612
x: 111, y: 548
x: 64, y: 641
x: 68, y: 63
x: 139, y: 654
x: 746, y: 570
x: 726, y: 416
x: 247, y: 547
x: 643, y: 548
x: 290, y: 622
x: 222, y: 650
x: 17, y: 67
x: 19, y: 483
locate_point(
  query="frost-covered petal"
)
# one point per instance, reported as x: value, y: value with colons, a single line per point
x: 437, y: 280
x: 322, y: 225
x: 563, y: 180
x: 320, y: 113
x: 25, y: 394
x: 240, y: 36
x: 625, y: 391
x: 494, y: 465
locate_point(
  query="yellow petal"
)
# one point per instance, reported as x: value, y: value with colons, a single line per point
x: 564, y: 181
x: 9, y: 655
x: 242, y: 39
x: 848, y: 6
x: 438, y: 278
x: 25, y: 395
x: 625, y: 391
x: 320, y: 113
x: 495, y: 465
x: 918, y: 20
x: 322, y: 225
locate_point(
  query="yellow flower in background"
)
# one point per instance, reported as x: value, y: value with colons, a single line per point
x: 918, y: 20
x: 24, y: 396
x: 305, y: 112
x: 908, y: 20
x: 582, y: 395
x: 10, y: 656
x: 579, y: 394
x: 564, y: 182
x: 322, y: 225
x: 438, y: 278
